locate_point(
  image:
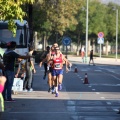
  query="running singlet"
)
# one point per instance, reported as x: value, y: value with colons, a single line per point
x: 52, y: 53
x: 57, y: 63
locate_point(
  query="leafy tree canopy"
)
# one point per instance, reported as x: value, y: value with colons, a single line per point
x: 11, y: 10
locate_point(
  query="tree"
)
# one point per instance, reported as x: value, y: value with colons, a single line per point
x: 10, y: 10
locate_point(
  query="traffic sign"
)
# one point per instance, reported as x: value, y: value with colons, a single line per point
x: 100, y: 40
x: 100, y: 34
x: 66, y: 41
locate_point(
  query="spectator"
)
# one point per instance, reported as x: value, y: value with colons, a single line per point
x: 9, y: 58
x: 21, y: 71
x: 91, y: 57
x: 30, y: 69
x: 83, y: 53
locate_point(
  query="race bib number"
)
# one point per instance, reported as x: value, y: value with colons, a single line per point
x: 57, y: 65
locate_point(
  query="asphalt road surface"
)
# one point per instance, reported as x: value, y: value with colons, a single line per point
x: 98, y: 100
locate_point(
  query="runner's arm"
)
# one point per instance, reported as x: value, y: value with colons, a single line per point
x: 45, y: 59
x: 18, y: 70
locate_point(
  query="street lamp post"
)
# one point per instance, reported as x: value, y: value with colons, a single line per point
x: 116, y: 33
x: 86, y: 33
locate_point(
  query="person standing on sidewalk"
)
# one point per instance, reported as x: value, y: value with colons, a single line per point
x: 91, y: 57
x: 83, y: 53
x: 9, y: 58
x: 30, y: 70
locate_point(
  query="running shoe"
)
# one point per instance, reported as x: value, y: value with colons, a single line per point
x: 53, y: 91
x: 44, y: 77
x: 59, y: 87
x: 56, y: 95
x: 25, y: 90
x: 30, y: 90
x: 50, y: 89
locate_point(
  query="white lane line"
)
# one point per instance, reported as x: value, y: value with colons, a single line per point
x: 109, y: 103
x: 84, y: 70
x: 70, y: 102
x: 97, y: 93
x: 98, y: 70
x: 81, y: 79
x: 105, y: 84
x: 39, y: 112
x: 116, y: 110
x: 93, y: 89
x: 89, y: 86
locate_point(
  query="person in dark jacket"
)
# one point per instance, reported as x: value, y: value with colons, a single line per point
x: 9, y: 58
x: 91, y: 57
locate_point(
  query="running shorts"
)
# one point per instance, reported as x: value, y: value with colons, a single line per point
x: 57, y: 72
x: 50, y: 70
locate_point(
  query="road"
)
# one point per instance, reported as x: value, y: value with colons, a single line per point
x: 98, y: 100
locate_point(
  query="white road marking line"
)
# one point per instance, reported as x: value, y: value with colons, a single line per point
x: 93, y: 89
x: 89, y: 86
x: 39, y: 112
x: 97, y: 93
x: 116, y: 110
x: 102, y: 97
x: 84, y: 70
x: 109, y: 103
x: 70, y: 102
x: 98, y: 70
x: 81, y: 79
x: 106, y: 84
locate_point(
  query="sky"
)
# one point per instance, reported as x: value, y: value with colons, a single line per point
x: 114, y: 1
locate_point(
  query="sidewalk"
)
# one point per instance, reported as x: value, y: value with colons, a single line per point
x: 97, y: 60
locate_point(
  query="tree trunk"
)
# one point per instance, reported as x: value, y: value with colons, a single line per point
x: 35, y: 41
x: 78, y: 42
x: 30, y: 20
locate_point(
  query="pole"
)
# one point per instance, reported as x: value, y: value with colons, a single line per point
x: 100, y: 50
x: 66, y: 51
x: 86, y: 33
x: 116, y: 33
x: 30, y: 8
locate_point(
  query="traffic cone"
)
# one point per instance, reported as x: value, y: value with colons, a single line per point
x: 86, y: 79
x: 75, y: 71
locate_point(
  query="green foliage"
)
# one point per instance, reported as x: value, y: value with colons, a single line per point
x: 10, y: 10
x: 59, y: 14
x: 68, y: 17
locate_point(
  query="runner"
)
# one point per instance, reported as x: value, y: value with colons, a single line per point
x: 48, y: 58
x: 57, y: 72
x: 48, y: 68
x: 43, y: 57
